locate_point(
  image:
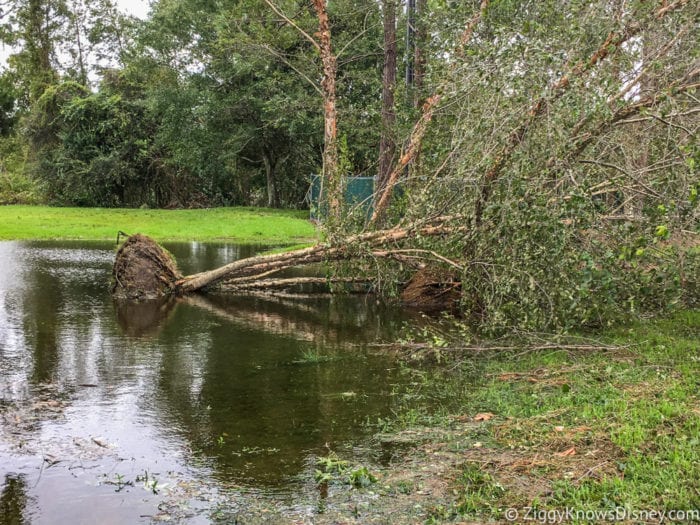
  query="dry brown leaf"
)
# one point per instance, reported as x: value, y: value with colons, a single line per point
x: 483, y: 416
x: 508, y: 377
x: 568, y: 452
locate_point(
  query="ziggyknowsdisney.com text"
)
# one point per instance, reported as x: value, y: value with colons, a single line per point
x: 551, y: 516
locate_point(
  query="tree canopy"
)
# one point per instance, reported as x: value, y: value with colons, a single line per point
x: 201, y: 104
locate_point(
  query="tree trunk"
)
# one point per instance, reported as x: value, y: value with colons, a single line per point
x: 39, y: 44
x: 410, y: 43
x: 420, y: 56
x: 143, y: 269
x: 387, y: 145
x: 416, y: 140
x: 331, y: 188
x: 76, y: 18
x: 271, y: 178
x: 262, y: 266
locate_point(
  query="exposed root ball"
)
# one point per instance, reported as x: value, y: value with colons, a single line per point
x: 432, y: 291
x: 143, y: 270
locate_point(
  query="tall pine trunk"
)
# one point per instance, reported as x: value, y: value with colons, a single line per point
x: 419, y: 54
x: 387, y: 144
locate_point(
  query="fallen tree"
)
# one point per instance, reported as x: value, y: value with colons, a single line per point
x: 144, y: 270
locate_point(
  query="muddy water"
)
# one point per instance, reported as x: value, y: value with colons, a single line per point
x: 192, y: 411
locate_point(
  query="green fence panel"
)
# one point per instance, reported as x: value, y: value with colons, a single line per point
x: 357, y: 191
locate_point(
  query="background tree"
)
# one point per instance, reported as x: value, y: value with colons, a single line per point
x: 387, y: 144
x: 535, y: 117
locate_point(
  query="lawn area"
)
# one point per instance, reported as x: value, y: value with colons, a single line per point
x: 243, y: 225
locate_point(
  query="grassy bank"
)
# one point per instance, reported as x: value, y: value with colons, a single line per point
x: 244, y: 225
x: 605, y: 433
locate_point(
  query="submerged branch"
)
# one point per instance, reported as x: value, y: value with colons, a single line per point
x: 284, y: 284
x: 505, y: 348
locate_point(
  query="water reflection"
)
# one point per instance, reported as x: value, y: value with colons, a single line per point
x: 13, y: 500
x: 239, y: 391
x: 42, y: 301
x: 273, y: 380
x: 144, y: 318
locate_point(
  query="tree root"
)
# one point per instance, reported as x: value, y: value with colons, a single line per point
x: 143, y: 270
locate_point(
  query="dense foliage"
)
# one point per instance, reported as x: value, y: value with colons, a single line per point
x: 576, y: 175
x: 560, y: 137
x: 201, y: 104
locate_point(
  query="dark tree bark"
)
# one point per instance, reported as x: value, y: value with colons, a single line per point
x: 415, y: 143
x: 387, y: 144
x: 270, y: 163
x: 420, y: 56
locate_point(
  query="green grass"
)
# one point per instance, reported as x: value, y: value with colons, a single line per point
x: 631, y: 416
x: 243, y: 225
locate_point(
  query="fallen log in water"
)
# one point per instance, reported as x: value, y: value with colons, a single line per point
x: 144, y: 270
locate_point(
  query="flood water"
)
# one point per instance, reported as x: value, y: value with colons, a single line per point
x: 182, y: 410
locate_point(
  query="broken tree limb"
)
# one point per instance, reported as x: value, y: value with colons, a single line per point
x: 469, y: 29
x: 284, y: 284
x: 414, y: 147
